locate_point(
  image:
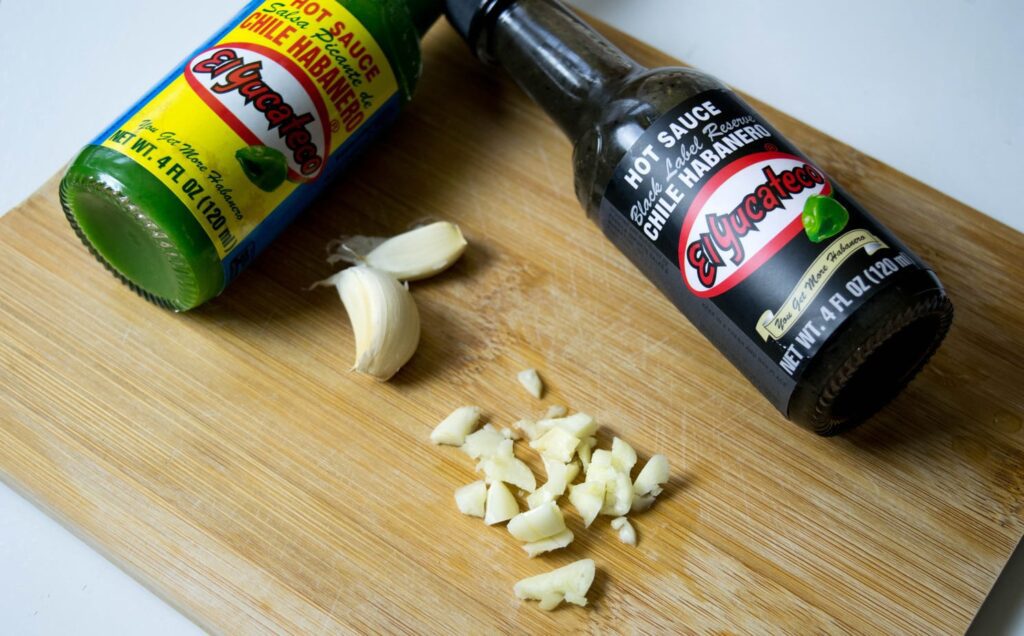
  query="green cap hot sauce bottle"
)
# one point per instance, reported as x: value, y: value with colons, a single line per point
x: 821, y: 307
x: 182, y: 192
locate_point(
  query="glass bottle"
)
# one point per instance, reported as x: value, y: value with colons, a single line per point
x: 812, y: 299
x: 182, y: 192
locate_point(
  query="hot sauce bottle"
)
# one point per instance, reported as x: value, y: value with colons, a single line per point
x: 822, y: 308
x: 181, y: 193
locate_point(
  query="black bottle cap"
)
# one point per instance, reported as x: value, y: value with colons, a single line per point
x: 470, y: 16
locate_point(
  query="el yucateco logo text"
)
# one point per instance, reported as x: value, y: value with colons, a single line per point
x: 742, y: 217
x: 266, y: 99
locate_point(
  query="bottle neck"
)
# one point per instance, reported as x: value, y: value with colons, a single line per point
x: 563, y: 64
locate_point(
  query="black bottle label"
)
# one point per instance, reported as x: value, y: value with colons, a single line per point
x: 763, y: 252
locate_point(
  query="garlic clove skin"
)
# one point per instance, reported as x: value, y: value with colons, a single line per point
x: 540, y: 523
x: 420, y: 253
x: 452, y: 431
x: 531, y: 382
x: 555, y: 542
x: 501, y: 505
x: 471, y: 499
x: 570, y: 583
x: 384, y: 317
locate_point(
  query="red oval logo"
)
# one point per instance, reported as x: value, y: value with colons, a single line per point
x: 267, y: 100
x: 742, y: 217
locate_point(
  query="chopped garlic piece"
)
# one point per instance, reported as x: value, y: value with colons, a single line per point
x: 529, y: 428
x: 508, y: 433
x: 483, y: 443
x: 556, y: 542
x: 556, y: 444
x: 539, y: 497
x: 503, y: 466
x: 540, y: 523
x: 585, y: 449
x: 501, y: 505
x: 618, y: 496
x: 531, y: 382
x: 453, y: 430
x: 555, y: 411
x: 471, y: 499
x: 570, y: 584
x: 588, y: 499
x: 601, y: 466
x: 559, y: 475
x: 578, y: 425
x: 627, y: 533
x: 623, y: 456
x: 652, y: 477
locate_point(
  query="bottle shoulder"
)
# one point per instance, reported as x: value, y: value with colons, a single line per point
x: 622, y: 114
x: 392, y: 24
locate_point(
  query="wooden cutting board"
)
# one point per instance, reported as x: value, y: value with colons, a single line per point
x: 229, y: 461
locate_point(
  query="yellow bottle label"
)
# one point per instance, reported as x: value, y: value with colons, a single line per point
x: 259, y: 113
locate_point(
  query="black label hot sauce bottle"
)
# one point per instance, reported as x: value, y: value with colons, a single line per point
x: 820, y: 306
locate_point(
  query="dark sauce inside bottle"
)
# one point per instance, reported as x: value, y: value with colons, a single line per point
x: 818, y: 304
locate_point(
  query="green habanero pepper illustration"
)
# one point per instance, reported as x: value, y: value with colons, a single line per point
x: 266, y: 167
x: 824, y: 217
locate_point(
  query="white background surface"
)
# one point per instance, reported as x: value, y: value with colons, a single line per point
x: 933, y: 87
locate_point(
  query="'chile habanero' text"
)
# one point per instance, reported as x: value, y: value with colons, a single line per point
x: 726, y: 231
x: 341, y: 48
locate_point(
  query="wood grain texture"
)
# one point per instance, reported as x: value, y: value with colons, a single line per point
x: 229, y: 461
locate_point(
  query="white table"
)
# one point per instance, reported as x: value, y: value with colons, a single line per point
x: 932, y: 87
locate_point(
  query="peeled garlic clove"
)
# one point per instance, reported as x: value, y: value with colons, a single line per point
x: 623, y: 456
x: 556, y: 542
x: 384, y: 319
x: 471, y: 499
x: 453, y: 429
x: 627, y: 533
x: 556, y: 444
x: 421, y: 253
x: 483, y: 443
x: 652, y: 477
x: 531, y: 382
x: 501, y: 505
x: 540, y: 523
x: 588, y: 499
x: 570, y: 583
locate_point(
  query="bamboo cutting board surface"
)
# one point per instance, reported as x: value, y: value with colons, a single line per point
x: 229, y: 461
